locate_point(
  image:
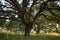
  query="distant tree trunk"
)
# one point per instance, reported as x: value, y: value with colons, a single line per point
x: 38, y: 29
x: 28, y: 28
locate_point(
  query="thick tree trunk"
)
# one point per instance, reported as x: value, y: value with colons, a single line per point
x: 28, y: 28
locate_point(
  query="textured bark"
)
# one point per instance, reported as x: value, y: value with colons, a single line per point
x: 28, y: 28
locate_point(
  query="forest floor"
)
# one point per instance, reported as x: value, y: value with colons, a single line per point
x: 14, y: 36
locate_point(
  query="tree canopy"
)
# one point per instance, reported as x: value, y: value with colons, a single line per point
x: 28, y: 11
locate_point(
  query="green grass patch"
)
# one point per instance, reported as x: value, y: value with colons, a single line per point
x: 4, y: 36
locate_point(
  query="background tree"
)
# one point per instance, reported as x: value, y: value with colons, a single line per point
x: 27, y: 11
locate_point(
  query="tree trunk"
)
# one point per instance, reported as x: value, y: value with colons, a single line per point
x: 38, y: 29
x: 28, y: 28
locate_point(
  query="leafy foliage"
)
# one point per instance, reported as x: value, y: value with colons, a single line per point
x: 30, y: 12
